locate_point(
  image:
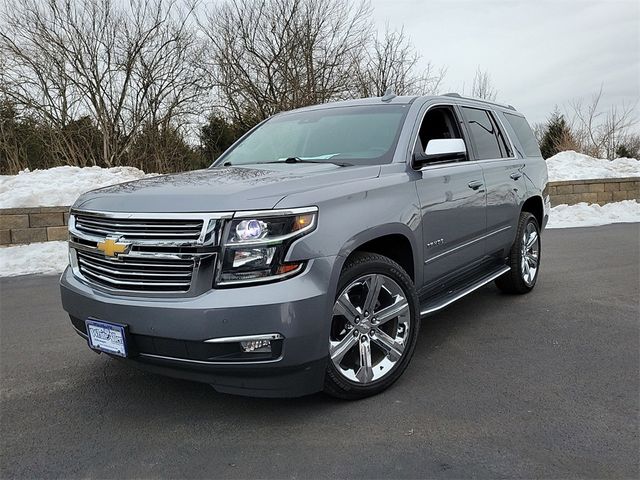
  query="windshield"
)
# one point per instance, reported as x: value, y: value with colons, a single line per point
x: 344, y: 135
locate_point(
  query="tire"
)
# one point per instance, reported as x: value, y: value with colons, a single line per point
x: 523, y: 259
x: 369, y: 350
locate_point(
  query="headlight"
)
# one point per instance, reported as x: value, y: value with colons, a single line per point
x: 256, y: 244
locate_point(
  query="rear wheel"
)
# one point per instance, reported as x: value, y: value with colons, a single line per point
x: 524, y: 257
x: 374, y: 327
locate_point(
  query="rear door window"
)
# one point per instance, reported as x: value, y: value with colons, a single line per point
x: 524, y: 134
x: 488, y: 139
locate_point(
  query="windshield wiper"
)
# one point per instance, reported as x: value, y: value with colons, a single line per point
x: 308, y: 160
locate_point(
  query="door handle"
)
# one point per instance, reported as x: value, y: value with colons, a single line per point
x: 515, y: 175
x: 475, y: 184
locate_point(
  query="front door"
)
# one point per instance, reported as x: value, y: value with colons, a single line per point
x: 452, y: 202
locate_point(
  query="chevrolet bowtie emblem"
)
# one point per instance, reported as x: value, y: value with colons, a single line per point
x: 111, y: 247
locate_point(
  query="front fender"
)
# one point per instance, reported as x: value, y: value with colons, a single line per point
x: 359, y: 239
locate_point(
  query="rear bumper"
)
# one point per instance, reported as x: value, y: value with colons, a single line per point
x: 167, y: 335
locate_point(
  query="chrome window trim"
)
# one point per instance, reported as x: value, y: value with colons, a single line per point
x: 466, y: 244
x: 245, y: 338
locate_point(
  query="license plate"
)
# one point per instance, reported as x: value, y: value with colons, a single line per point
x: 107, y: 337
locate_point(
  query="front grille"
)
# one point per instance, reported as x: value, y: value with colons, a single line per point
x: 161, y: 253
x: 140, y: 229
x: 143, y: 275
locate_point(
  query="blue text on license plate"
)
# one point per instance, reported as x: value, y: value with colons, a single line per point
x: 106, y: 337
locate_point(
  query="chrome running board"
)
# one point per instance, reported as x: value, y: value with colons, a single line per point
x: 454, y: 295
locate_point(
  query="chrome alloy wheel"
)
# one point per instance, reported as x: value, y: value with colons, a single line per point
x: 530, y: 254
x: 370, y: 328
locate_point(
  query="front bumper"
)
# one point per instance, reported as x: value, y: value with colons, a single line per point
x: 167, y: 335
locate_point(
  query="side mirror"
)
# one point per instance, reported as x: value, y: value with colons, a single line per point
x: 443, y: 150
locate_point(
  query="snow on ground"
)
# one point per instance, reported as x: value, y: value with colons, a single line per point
x: 52, y: 257
x: 45, y: 257
x: 59, y: 186
x: 571, y: 165
x: 591, y: 215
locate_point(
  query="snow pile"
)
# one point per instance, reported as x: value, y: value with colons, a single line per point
x: 46, y: 257
x: 591, y: 215
x: 59, y: 186
x: 571, y: 165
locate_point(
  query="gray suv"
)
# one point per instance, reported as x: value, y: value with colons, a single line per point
x: 304, y: 258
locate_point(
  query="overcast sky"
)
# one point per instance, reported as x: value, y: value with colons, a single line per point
x: 539, y: 52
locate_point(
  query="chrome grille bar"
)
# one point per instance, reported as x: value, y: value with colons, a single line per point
x: 143, y: 285
x: 118, y: 224
x: 137, y: 229
x: 140, y: 276
x: 169, y: 267
x: 133, y: 273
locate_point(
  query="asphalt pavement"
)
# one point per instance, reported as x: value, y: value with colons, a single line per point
x: 541, y: 385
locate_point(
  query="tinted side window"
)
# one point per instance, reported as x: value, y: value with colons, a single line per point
x: 524, y: 134
x: 483, y: 133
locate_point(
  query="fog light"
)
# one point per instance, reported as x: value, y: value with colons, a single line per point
x: 256, y: 346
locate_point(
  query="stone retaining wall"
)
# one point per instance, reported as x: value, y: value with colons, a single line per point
x: 601, y: 191
x: 27, y: 225
x: 41, y: 224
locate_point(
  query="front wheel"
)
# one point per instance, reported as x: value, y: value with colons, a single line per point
x: 374, y: 327
x: 524, y: 257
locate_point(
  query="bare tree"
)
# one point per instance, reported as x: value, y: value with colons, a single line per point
x: 600, y: 132
x: 124, y: 82
x: 273, y: 55
x: 539, y: 129
x: 482, y: 86
x: 391, y: 61
x: 123, y: 65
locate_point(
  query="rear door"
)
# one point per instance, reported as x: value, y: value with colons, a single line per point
x: 503, y: 175
x: 452, y: 201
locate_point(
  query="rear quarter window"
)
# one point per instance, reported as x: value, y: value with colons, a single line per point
x: 524, y: 133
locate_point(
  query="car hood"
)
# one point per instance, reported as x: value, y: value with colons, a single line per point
x: 220, y: 189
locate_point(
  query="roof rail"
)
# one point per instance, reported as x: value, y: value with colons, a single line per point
x: 457, y: 95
